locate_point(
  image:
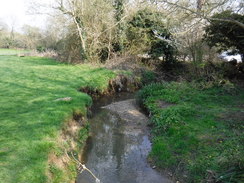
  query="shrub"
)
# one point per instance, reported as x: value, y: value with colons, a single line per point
x: 40, y: 49
x: 148, y: 77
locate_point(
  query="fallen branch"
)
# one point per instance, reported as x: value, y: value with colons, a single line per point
x: 82, y: 167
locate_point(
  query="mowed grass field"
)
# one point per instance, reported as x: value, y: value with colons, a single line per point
x: 30, y: 116
x: 4, y: 51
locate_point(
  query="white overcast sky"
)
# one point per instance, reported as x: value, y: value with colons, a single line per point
x: 16, y: 12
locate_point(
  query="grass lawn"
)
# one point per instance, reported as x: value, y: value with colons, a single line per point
x: 30, y: 118
x: 199, y: 138
x: 5, y: 51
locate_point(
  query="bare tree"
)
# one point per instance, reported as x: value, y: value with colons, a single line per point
x: 205, y: 9
x: 74, y: 9
x: 200, y: 3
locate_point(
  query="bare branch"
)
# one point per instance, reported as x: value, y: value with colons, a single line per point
x: 201, y: 15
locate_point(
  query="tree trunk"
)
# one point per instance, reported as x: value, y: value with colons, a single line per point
x: 83, y: 44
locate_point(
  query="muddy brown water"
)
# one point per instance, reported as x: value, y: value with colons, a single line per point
x: 117, y: 150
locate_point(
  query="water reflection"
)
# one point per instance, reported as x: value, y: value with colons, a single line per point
x: 116, y: 155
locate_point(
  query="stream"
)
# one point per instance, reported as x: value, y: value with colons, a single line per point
x: 117, y: 149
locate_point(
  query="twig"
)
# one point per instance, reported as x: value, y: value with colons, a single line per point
x: 81, y: 167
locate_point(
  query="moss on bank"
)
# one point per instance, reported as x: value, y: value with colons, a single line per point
x: 197, y: 133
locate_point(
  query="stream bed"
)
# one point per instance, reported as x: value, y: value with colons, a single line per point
x: 117, y: 150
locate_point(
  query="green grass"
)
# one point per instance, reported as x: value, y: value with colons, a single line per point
x: 30, y: 118
x: 200, y: 137
x: 4, y: 51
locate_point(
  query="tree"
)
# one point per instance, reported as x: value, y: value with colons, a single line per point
x: 3, y: 33
x: 226, y: 35
x: 32, y: 36
x: 204, y: 9
x: 119, y: 13
x: 74, y: 9
x: 87, y: 29
x: 148, y: 34
x: 186, y: 20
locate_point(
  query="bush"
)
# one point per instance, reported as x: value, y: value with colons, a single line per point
x: 40, y: 49
x: 148, y: 77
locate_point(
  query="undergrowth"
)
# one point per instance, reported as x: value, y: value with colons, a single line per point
x: 198, y: 133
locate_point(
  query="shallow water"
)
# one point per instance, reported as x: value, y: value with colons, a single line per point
x: 117, y: 153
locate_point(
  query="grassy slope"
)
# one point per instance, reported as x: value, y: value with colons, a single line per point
x: 30, y: 118
x: 203, y: 131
